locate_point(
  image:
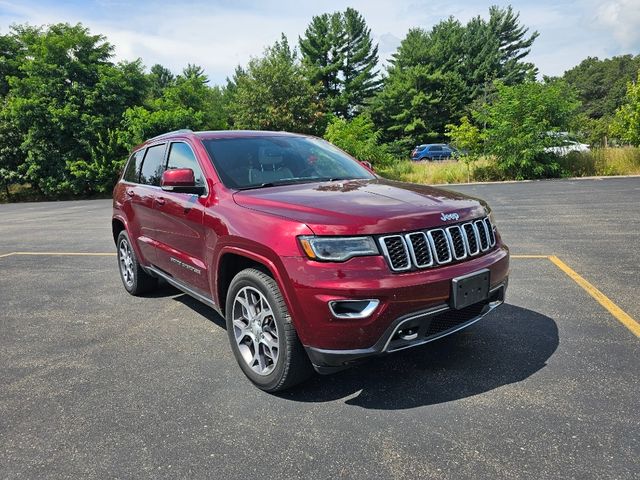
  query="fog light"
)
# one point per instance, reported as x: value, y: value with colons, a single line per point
x: 353, y: 308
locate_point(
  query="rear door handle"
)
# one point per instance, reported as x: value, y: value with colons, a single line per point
x: 130, y: 192
x: 160, y: 200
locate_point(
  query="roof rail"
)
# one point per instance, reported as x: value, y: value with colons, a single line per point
x: 182, y: 130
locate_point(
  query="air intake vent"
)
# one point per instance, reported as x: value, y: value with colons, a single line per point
x: 440, y: 244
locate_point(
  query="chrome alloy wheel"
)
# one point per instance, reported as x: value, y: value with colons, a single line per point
x: 255, y: 330
x: 125, y: 257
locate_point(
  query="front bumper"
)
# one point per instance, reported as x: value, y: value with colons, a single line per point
x: 311, y: 286
x: 410, y: 331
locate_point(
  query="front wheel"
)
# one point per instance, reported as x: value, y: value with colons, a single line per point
x: 262, y: 337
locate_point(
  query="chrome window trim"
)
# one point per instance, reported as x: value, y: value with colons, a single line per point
x: 387, y: 256
x: 412, y: 252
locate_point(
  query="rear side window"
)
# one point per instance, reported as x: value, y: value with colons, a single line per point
x: 133, y: 167
x: 153, y: 165
x: 435, y: 148
x: 181, y: 156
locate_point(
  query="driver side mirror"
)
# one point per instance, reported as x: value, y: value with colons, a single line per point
x: 368, y: 166
x: 180, y: 180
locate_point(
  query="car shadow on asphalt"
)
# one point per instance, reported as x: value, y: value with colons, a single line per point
x: 507, y: 346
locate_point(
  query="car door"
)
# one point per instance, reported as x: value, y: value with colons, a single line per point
x: 435, y: 152
x: 181, y: 235
x: 143, y: 195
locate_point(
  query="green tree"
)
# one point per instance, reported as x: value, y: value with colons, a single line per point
x: 437, y: 75
x: 11, y: 55
x: 601, y: 87
x: 188, y: 103
x: 359, y: 138
x: 522, y: 121
x: 274, y: 94
x: 627, y: 117
x: 339, y: 53
x: 68, y: 93
x: 160, y: 78
x: 415, y: 105
x: 468, y: 139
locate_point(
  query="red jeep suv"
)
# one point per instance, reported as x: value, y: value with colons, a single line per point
x: 314, y: 261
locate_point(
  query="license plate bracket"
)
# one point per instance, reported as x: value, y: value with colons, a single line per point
x: 469, y: 289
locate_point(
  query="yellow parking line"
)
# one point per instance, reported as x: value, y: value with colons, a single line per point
x: 622, y: 316
x: 7, y: 254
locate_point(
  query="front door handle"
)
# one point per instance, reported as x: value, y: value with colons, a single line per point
x: 160, y: 200
x: 130, y: 192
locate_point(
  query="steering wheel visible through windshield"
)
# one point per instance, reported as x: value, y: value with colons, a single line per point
x: 265, y: 161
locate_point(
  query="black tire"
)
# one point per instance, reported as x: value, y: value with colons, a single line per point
x: 135, y: 280
x: 292, y: 365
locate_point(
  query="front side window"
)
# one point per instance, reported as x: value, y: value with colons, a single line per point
x: 153, y: 165
x: 133, y: 167
x: 181, y: 156
x: 280, y: 160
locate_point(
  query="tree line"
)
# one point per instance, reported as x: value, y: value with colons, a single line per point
x: 69, y: 114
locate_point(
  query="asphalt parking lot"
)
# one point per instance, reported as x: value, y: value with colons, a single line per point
x: 95, y: 383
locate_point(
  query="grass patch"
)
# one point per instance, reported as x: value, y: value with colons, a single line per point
x: 602, y: 161
x: 439, y: 172
x: 598, y: 162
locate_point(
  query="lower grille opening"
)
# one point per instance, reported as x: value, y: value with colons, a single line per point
x: 423, y: 328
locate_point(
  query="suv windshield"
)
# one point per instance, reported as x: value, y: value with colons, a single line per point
x: 255, y: 162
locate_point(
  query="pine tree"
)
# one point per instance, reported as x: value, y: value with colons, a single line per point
x: 338, y: 52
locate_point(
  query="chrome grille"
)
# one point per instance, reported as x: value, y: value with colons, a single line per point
x: 471, y: 236
x: 419, y: 249
x: 456, y: 237
x: 483, y: 235
x: 492, y: 235
x: 395, y: 250
x: 438, y: 246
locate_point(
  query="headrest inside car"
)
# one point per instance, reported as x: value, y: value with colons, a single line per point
x: 269, y: 156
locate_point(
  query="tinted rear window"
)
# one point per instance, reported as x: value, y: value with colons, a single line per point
x: 153, y: 165
x: 133, y: 167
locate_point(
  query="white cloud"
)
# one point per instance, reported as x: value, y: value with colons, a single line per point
x: 219, y: 35
x: 622, y: 19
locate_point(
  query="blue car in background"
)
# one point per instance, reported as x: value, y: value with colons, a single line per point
x: 432, y: 151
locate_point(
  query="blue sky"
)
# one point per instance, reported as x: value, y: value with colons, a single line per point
x: 220, y: 35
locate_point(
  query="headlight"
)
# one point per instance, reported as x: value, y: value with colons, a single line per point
x: 337, y: 249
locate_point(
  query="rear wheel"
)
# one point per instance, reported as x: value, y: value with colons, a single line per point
x: 262, y: 336
x: 135, y: 280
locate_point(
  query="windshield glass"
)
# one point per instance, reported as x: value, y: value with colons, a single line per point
x: 255, y: 162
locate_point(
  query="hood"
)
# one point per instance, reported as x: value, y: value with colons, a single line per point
x: 362, y: 206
